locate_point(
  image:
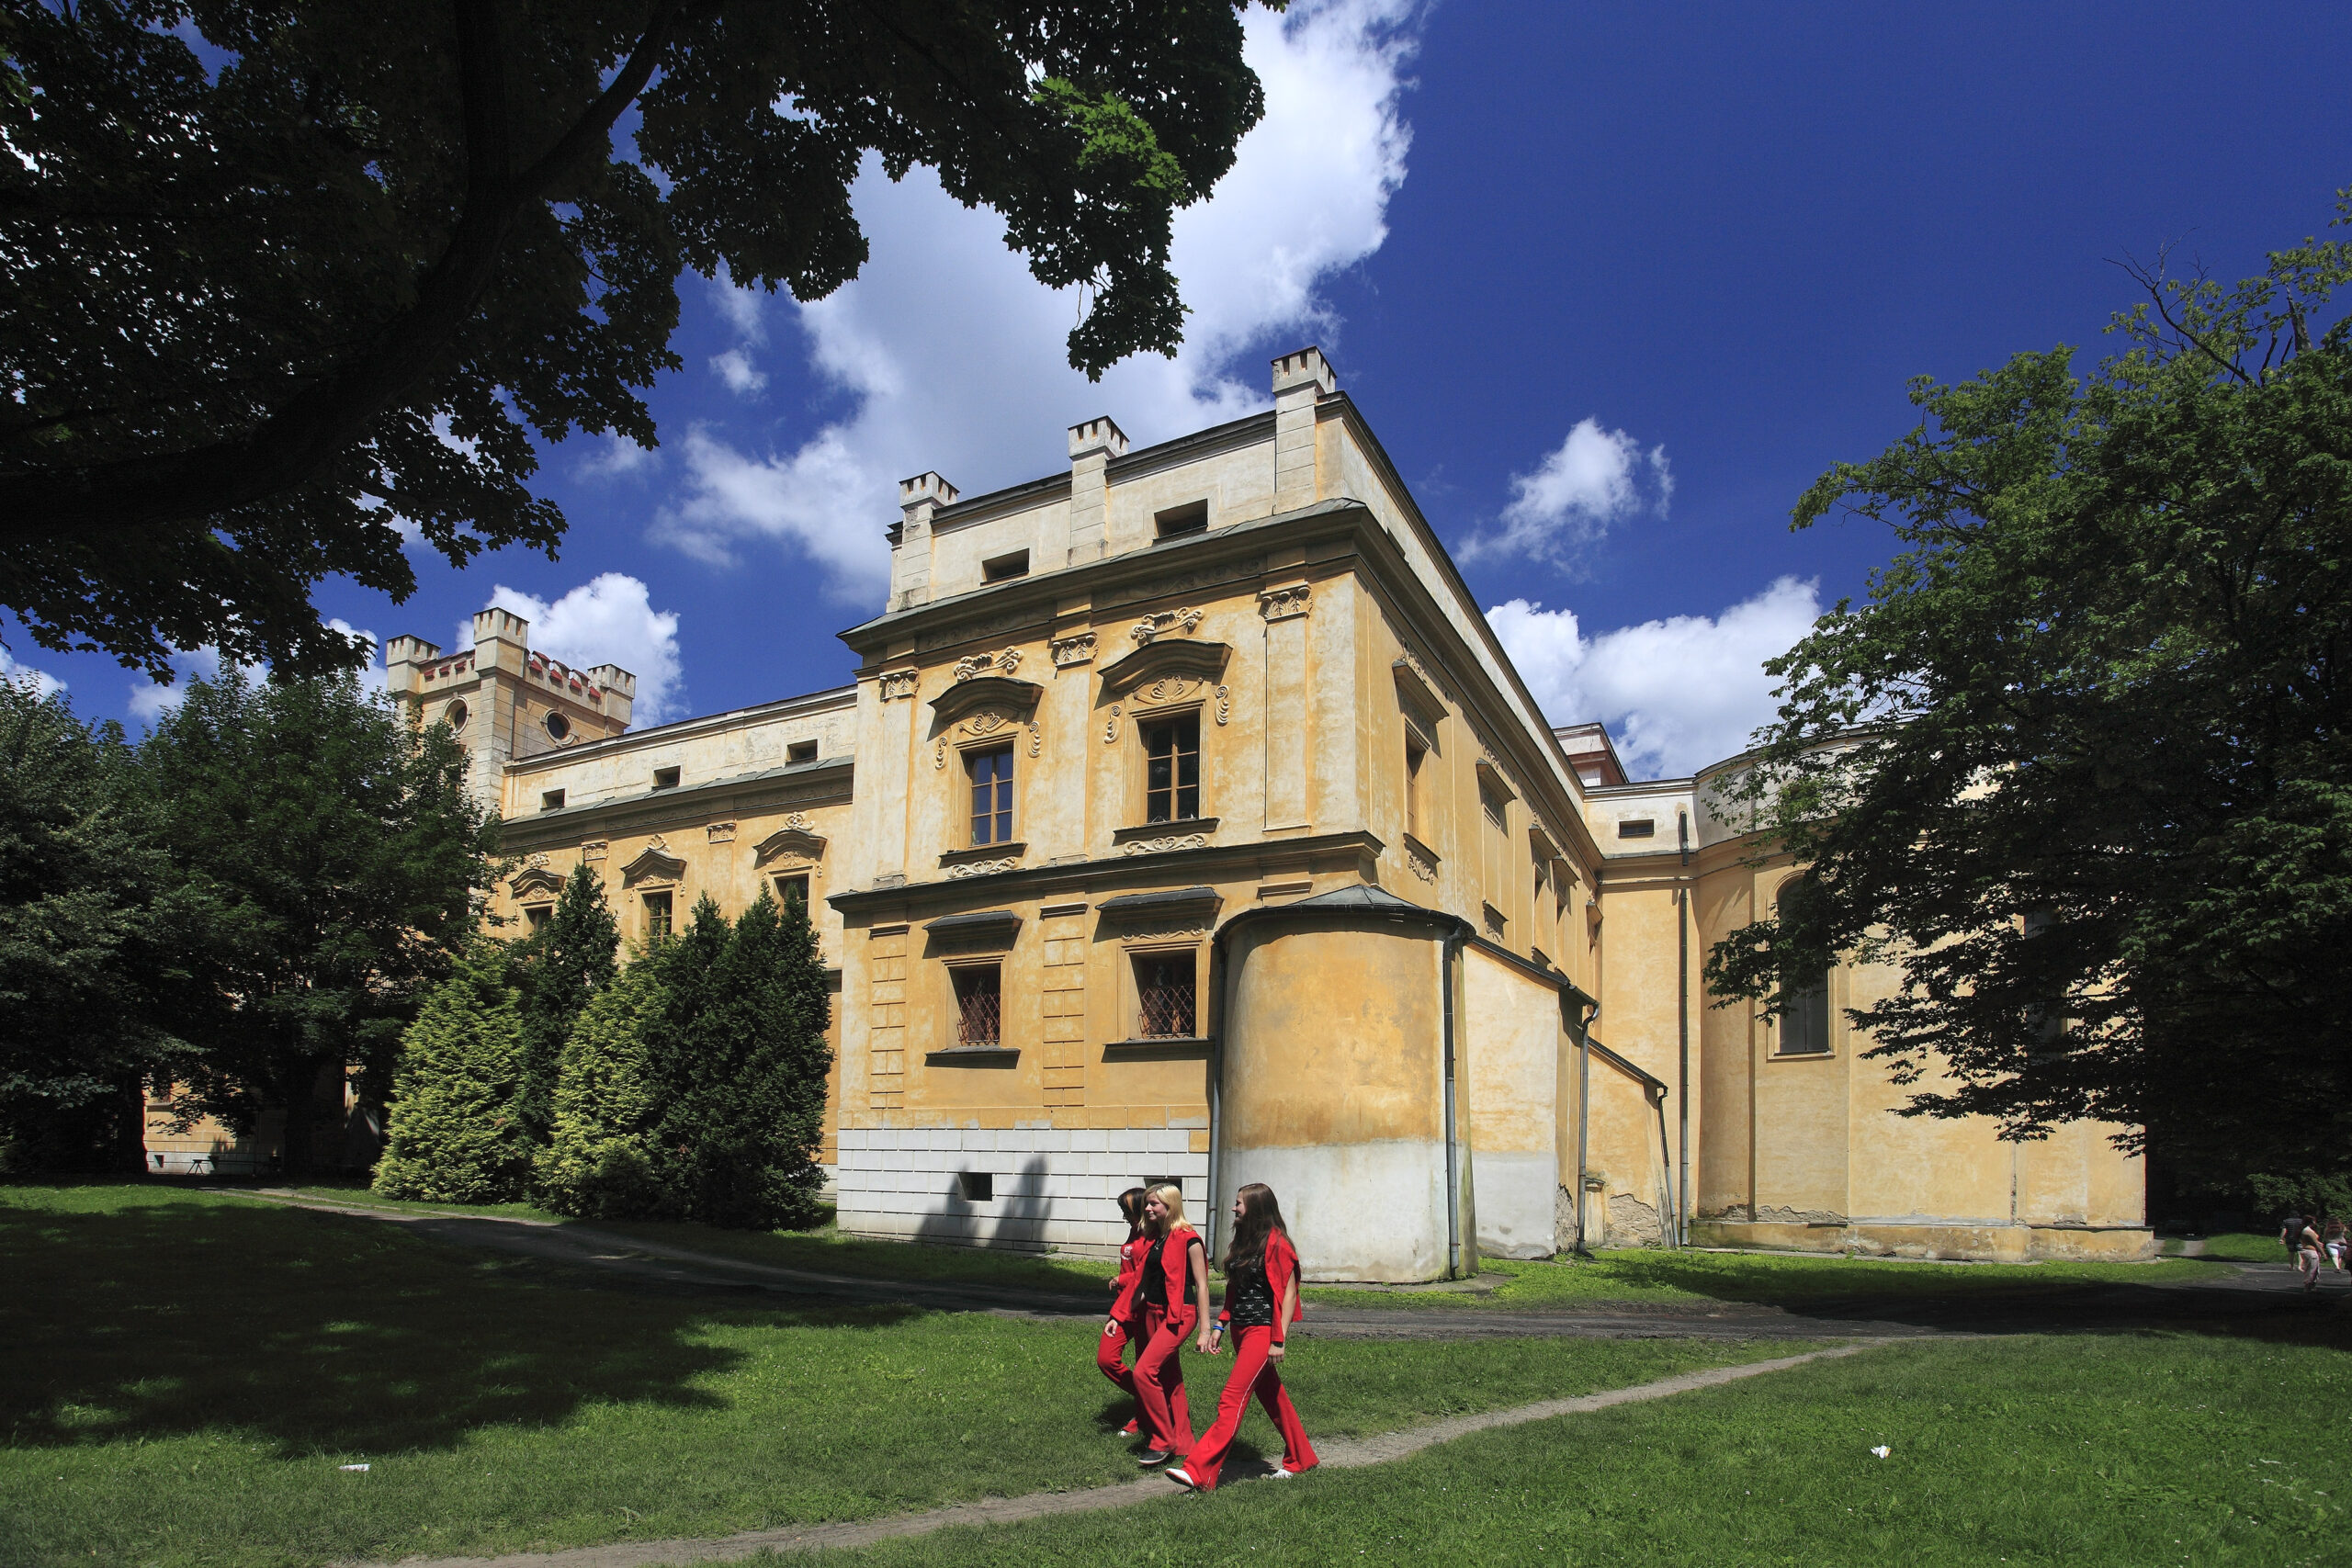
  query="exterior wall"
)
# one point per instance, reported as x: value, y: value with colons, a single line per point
x: 1314, y: 627
x: 1334, y: 1092
x: 1510, y: 1055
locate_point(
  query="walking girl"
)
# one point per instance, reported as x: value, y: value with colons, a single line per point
x: 1260, y: 1303
x: 1173, y: 1289
x: 1123, y: 1328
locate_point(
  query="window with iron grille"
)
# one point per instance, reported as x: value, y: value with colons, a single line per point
x: 991, y: 772
x: 979, y: 1004
x: 1164, y: 996
x: 1171, y: 785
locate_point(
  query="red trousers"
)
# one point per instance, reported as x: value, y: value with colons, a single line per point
x: 1110, y: 1355
x: 1160, y: 1379
x: 1252, y: 1373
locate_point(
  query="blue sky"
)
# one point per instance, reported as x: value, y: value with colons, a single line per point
x: 1613, y: 285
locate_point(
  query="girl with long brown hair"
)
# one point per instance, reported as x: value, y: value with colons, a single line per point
x: 1173, y: 1291
x: 1260, y: 1303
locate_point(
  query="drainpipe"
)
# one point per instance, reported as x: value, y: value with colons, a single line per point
x: 1682, y: 1020
x: 1447, y: 954
x: 1666, y: 1167
x: 1584, y: 1114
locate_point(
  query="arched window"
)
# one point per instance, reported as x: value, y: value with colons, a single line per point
x: 1804, y: 1000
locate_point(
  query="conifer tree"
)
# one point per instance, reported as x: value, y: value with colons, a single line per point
x: 558, y: 969
x: 599, y: 1163
x: 455, y: 1137
x: 746, y: 1038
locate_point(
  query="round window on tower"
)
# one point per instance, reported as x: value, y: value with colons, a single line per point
x: 454, y: 716
x: 559, y: 726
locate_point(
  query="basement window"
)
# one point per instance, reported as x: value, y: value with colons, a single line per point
x: 976, y: 1185
x: 665, y: 778
x: 800, y: 752
x: 551, y: 800
x: 1192, y: 517
x: 1637, y: 828
x: 1005, y: 568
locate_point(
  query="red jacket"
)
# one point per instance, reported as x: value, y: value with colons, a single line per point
x: 1170, y: 1262
x: 1282, y: 1268
x: 1131, y: 1252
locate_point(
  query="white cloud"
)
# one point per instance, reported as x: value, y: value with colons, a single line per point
x: 734, y: 367
x: 40, y: 681
x: 1677, y: 694
x: 956, y: 357
x: 371, y: 674
x: 607, y: 620
x: 150, y: 701
x: 1595, y: 478
x: 617, y: 459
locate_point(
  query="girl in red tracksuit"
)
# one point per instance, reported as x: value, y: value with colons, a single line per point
x: 1110, y: 1350
x: 1172, y: 1293
x: 1260, y: 1302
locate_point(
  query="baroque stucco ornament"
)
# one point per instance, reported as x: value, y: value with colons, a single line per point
x: 899, y: 683
x: 1078, y: 648
x: 1006, y: 660
x: 1162, y: 846
x: 1288, y: 603
x: 1154, y: 625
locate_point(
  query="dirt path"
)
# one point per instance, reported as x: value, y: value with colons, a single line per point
x: 1340, y: 1454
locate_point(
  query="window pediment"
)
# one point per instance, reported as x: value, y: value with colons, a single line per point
x: 537, y: 879
x: 1172, y: 660
x: 789, y: 844
x: 654, y: 865
x: 1000, y: 693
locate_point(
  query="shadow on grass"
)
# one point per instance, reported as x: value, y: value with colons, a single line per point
x: 167, y: 1314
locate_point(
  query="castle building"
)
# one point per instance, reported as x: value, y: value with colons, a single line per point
x: 1184, y: 819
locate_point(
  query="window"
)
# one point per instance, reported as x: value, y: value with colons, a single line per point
x: 1171, y: 783
x: 793, y: 890
x: 1164, y: 996
x: 1805, y: 1016
x: 551, y: 800
x: 1192, y: 517
x: 559, y: 726
x: 991, y: 774
x: 1416, y: 753
x: 1637, y: 828
x: 1495, y: 871
x: 976, y: 1185
x: 657, y: 916
x: 979, y: 1004
x: 1004, y: 569
x: 665, y: 778
x: 800, y: 752
x: 539, y: 914
x: 455, y: 715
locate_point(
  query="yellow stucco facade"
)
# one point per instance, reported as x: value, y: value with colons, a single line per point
x: 1184, y: 819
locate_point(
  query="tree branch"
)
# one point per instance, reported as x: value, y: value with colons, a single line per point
x: 317, y: 422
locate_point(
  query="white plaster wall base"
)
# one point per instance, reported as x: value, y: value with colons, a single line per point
x: 1357, y: 1211
x: 1519, y: 1198
x: 1054, y: 1186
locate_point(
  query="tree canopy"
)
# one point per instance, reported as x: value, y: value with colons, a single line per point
x: 284, y: 280
x: 335, y: 857
x: 2078, y: 764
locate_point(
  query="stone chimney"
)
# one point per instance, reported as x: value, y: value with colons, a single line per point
x: 1302, y: 378
x: 919, y: 497
x: 1092, y: 443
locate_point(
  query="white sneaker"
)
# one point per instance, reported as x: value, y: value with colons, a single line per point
x: 1178, y: 1476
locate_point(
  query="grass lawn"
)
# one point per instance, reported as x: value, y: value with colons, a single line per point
x: 2121, y: 1450
x: 185, y: 1370
x: 825, y: 1249
x: 2237, y: 1246
x: 1792, y: 1280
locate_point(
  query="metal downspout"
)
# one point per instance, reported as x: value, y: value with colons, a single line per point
x: 1666, y: 1167
x: 1449, y: 952
x: 1584, y: 1114
x: 1682, y: 1021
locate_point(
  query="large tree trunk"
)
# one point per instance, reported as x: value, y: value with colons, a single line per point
x: 298, y: 1080
x: 126, y: 1149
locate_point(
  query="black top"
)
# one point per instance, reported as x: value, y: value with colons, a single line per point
x: 1153, y: 1290
x: 1248, y: 1297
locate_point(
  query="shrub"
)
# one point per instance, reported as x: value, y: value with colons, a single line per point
x: 455, y: 1137
x: 600, y: 1163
